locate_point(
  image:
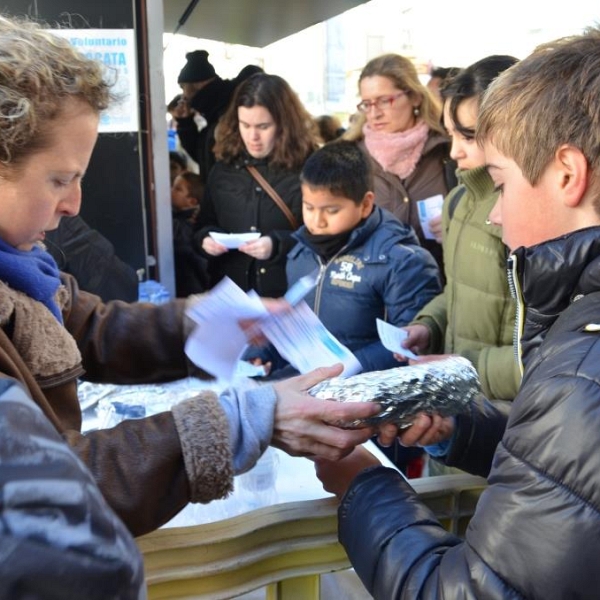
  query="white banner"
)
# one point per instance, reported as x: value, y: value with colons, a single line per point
x: 115, y: 48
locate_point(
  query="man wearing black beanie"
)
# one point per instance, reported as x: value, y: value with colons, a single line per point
x: 206, y: 94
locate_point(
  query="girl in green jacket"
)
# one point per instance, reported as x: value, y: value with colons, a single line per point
x: 474, y: 315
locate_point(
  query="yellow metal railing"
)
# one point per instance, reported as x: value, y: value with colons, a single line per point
x: 284, y: 547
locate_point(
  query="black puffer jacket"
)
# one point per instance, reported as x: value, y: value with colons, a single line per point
x: 536, y: 530
x: 235, y: 203
x: 90, y: 257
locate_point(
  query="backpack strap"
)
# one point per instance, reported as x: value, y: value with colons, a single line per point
x: 455, y: 200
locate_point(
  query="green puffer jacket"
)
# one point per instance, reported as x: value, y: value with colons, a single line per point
x: 475, y: 314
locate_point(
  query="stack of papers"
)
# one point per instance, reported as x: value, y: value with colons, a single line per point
x: 218, y: 341
x: 234, y: 240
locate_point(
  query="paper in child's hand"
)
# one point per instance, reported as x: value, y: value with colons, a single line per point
x: 392, y: 337
x: 428, y: 209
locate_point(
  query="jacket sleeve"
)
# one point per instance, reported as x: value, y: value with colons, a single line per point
x: 435, y: 317
x: 207, y: 220
x: 413, y: 281
x: 393, y: 541
x: 397, y: 546
x: 58, y: 537
x: 400, y: 551
x: 283, y: 242
x: 185, y: 452
x: 498, y: 370
x: 127, y: 343
x: 188, y: 134
x: 476, y: 436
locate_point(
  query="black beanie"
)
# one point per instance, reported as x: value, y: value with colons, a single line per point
x: 197, y: 68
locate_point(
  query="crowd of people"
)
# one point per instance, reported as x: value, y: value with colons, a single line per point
x: 518, y: 196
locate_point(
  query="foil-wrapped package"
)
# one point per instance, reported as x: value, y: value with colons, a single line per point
x: 443, y: 386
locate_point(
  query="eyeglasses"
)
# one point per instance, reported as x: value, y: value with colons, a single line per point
x: 381, y: 103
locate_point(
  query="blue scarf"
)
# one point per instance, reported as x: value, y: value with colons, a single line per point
x: 33, y: 272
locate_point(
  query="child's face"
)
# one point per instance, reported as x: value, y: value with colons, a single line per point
x: 326, y: 214
x: 180, y: 195
x: 527, y: 214
x: 465, y: 151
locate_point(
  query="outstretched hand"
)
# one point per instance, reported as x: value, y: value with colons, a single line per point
x: 309, y: 426
x: 251, y: 327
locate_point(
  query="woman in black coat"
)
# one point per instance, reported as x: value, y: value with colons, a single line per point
x: 265, y: 127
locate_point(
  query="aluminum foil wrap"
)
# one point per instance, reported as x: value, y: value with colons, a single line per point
x: 443, y: 386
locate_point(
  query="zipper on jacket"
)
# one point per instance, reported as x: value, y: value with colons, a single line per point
x: 322, y: 268
x: 319, y: 287
x: 515, y: 292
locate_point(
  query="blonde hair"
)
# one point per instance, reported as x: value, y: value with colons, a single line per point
x: 548, y: 99
x: 403, y: 74
x: 39, y: 71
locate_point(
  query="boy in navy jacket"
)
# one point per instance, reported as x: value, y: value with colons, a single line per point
x: 370, y: 264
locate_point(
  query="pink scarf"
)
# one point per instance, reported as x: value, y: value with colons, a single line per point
x: 398, y: 152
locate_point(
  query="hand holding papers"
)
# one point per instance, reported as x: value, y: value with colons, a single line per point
x: 392, y: 337
x: 305, y: 343
x: 218, y: 341
x: 428, y: 209
x: 234, y: 240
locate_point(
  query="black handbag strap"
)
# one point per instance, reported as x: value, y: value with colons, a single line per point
x: 265, y: 185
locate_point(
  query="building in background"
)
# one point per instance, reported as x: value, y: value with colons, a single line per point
x: 322, y: 63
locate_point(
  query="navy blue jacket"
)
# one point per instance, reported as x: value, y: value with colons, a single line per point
x: 382, y: 272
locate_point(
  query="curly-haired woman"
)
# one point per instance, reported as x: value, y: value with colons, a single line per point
x: 265, y: 127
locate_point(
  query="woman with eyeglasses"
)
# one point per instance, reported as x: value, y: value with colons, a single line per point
x: 399, y: 127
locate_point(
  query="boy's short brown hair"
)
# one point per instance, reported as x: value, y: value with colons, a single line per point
x: 550, y: 98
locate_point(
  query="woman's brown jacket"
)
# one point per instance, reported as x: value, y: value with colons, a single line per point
x: 147, y: 469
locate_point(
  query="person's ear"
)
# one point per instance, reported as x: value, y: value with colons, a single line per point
x: 367, y: 204
x: 572, y: 172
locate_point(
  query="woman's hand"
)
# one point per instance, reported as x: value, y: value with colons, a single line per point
x: 262, y: 248
x: 251, y: 327
x: 308, y: 426
x: 213, y: 248
x: 182, y: 110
